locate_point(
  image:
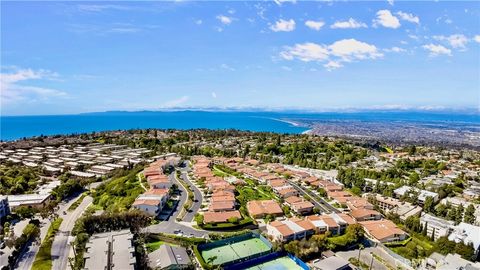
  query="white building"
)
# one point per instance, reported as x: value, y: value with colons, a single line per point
x: 422, y: 194
x: 441, y: 226
x: 466, y: 233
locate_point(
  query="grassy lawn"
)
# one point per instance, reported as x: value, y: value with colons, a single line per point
x: 43, y: 260
x: 218, y: 172
x: 417, y: 247
x: 249, y: 193
x: 152, y: 246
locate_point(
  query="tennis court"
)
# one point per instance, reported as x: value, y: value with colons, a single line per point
x: 282, y: 263
x: 237, y: 250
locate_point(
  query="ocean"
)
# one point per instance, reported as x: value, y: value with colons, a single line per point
x: 17, y: 127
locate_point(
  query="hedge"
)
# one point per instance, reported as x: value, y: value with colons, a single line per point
x: 227, y: 225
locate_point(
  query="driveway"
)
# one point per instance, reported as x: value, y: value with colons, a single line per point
x: 366, y: 258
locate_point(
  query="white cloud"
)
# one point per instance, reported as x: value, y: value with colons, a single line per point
x: 315, y: 25
x: 283, y: 26
x: 395, y: 49
x: 198, y: 22
x: 408, y: 17
x: 477, y: 38
x: 415, y: 37
x: 456, y: 41
x: 225, y: 19
x: 351, y: 23
x: 346, y: 50
x: 176, y: 102
x: 306, y: 52
x: 391, y: 2
x: 100, y: 8
x: 386, y: 19
x: 437, y: 49
x: 214, y: 95
x: 351, y: 49
x: 280, y: 2
x: 286, y: 68
x: 331, y: 65
x: 12, y: 89
x: 227, y: 67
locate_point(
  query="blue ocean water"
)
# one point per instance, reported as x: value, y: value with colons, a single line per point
x: 16, y: 127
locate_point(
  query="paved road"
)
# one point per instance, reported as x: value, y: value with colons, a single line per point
x: 172, y: 227
x: 183, y: 194
x: 366, y: 257
x: 317, y: 200
x: 61, y: 243
x: 198, y: 196
x: 28, y: 257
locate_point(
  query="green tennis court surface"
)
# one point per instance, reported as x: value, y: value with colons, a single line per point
x: 282, y: 263
x: 234, y: 251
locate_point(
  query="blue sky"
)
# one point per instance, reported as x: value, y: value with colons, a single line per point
x: 72, y: 57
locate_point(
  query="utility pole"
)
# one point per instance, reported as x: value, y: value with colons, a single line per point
x: 371, y: 262
x: 359, y: 250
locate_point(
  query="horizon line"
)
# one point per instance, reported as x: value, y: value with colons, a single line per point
x: 379, y: 109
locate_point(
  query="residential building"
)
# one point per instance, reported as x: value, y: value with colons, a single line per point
x: 290, y: 229
x: 151, y: 207
x: 299, y: 205
x: 220, y: 206
x: 422, y: 194
x: 332, y: 263
x: 467, y: 234
x: 383, y: 231
x: 110, y: 250
x: 219, y: 217
x: 392, y: 205
x: 324, y: 223
x: 262, y: 208
x: 169, y: 257
x: 364, y: 214
x: 436, y: 226
x: 28, y: 200
x: 151, y: 201
x: 449, y: 262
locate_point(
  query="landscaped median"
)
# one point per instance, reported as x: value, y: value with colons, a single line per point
x: 74, y: 205
x: 43, y: 260
x: 188, y: 204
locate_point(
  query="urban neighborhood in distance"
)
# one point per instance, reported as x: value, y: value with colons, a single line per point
x: 259, y: 135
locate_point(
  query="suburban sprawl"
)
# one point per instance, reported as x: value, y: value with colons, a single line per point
x: 229, y: 199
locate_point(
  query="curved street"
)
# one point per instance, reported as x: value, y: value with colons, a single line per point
x: 198, y: 196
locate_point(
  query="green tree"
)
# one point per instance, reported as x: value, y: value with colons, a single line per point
x: 413, y: 179
x: 459, y: 214
x: 429, y: 205
x: 469, y: 215
x: 25, y: 212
